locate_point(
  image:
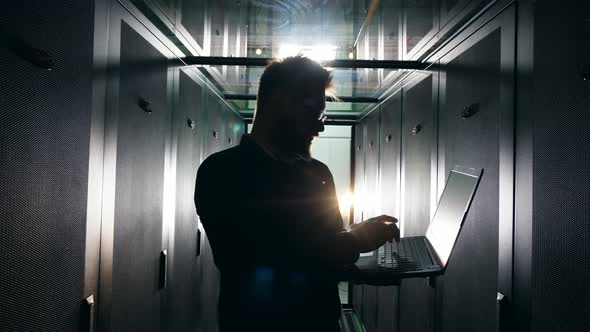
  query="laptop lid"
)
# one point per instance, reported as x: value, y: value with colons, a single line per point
x: 451, y: 211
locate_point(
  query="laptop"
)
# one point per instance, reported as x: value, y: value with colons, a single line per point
x: 425, y: 256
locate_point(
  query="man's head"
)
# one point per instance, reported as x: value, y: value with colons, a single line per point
x: 291, y: 103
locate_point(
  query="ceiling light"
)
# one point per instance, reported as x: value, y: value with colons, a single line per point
x: 258, y: 51
x: 315, y: 52
x: 351, y: 55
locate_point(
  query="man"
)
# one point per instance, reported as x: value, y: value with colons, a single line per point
x: 271, y: 213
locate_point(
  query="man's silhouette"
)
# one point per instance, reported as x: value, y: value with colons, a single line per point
x: 271, y: 213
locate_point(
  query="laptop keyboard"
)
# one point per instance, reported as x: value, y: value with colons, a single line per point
x: 410, y: 254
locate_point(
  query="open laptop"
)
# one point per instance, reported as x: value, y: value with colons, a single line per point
x: 424, y: 256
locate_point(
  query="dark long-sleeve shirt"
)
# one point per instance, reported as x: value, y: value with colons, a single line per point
x: 277, y: 237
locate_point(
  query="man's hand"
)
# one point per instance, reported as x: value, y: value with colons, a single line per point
x: 373, y: 233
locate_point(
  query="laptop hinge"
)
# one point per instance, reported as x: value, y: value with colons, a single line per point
x: 431, y: 253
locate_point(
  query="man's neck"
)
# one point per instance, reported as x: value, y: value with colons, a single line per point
x: 265, y: 141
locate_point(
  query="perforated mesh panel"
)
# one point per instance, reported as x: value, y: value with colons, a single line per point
x: 44, y: 138
x: 561, y: 187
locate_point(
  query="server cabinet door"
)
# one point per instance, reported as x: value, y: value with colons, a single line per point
x: 44, y: 162
x: 420, y: 25
x: 456, y: 12
x: 239, y: 129
x: 189, y: 129
x: 215, y: 122
x: 164, y: 10
x: 229, y: 129
x: 391, y: 16
x: 416, y: 306
x: 133, y: 261
x: 219, y: 33
x: 235, y: 129
x: 228, y: 120
x: 372, y: 209
x: 359, y: 192
x: 193, y: 25
x: 209, y: 275
x: 476, y: 131
x: 389, y: 169
x: 560, y: 165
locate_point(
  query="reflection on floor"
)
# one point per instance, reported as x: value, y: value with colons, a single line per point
x: 343, y: 292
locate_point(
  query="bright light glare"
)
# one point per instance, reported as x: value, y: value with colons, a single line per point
x: 361, y: 201
x: 315, y: 52
x: 346, y: 200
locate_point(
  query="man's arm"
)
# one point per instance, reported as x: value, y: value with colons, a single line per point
x: 256, y: 231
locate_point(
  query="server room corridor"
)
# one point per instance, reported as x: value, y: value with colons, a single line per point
x: 108, y: 108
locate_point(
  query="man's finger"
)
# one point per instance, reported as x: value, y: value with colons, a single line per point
x: 388, y: 219
x: 393, y: 232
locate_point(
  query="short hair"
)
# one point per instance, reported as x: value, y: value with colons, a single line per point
x: 291, y: 77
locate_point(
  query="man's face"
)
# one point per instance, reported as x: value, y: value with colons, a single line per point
x: 304, y: 121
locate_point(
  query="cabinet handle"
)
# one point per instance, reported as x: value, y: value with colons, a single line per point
x: 586, y: 72
x: 163, y: 269
x: 35, y: 56
x: 87, y: 320
x: 190, y: 123
x: 469, y: 111
x: 417, y: 129
x: 502, y: 313
x: 198, y: 242
x: 145, y: 105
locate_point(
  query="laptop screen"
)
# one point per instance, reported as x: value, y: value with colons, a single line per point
x: 452, y: 207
